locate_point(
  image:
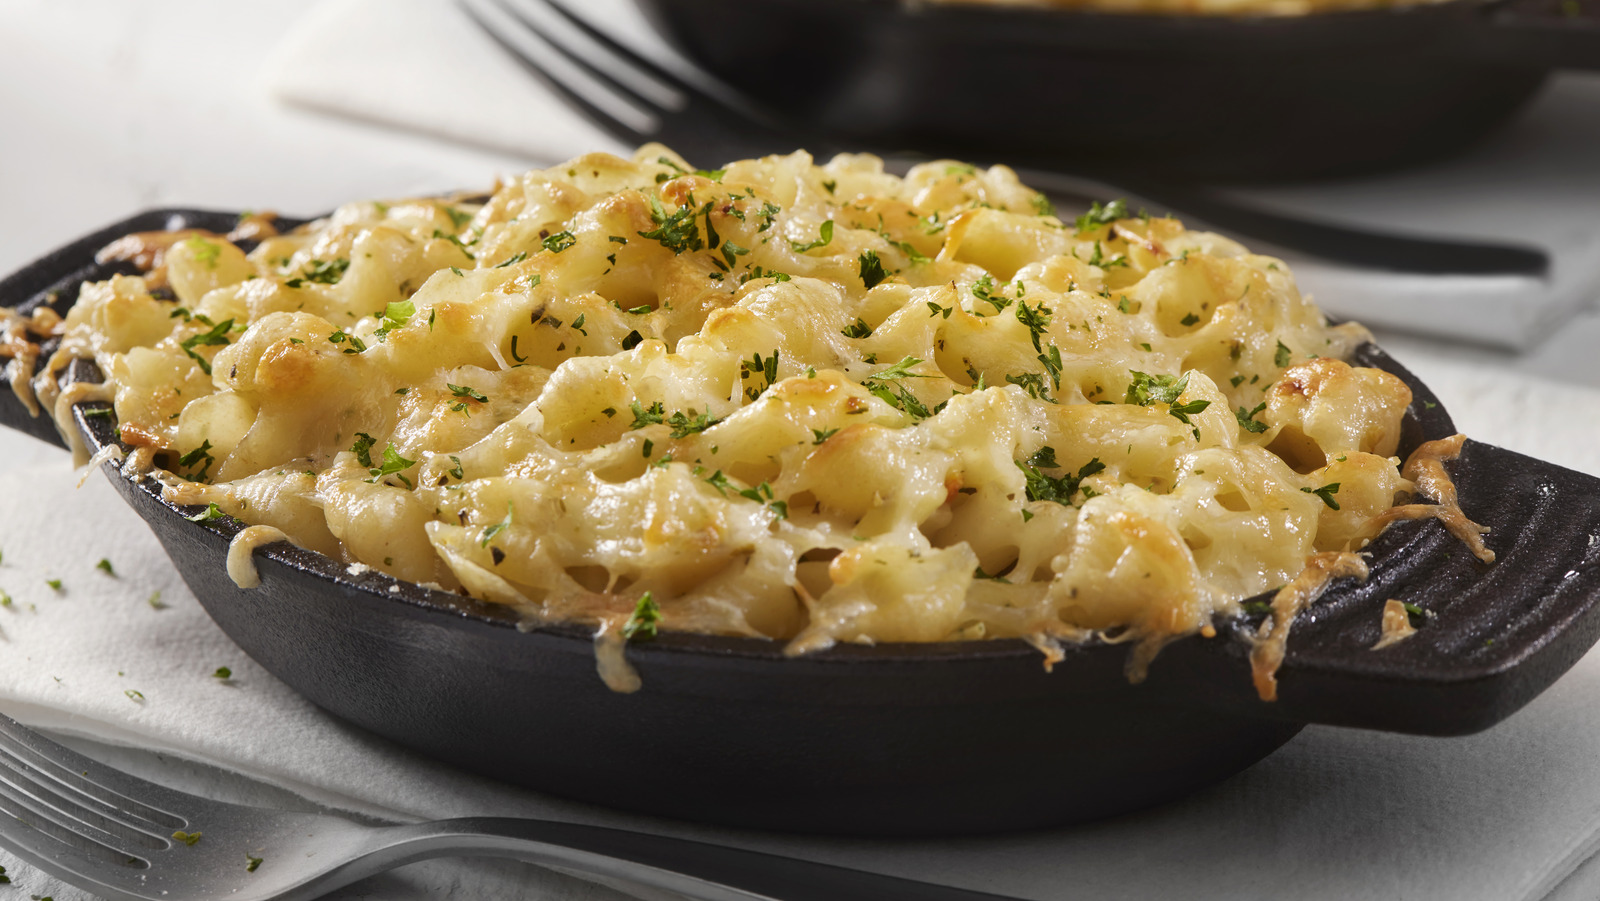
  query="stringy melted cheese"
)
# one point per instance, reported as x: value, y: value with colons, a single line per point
x: 812, y: 403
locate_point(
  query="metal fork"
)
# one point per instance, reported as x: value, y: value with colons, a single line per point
x: 636, y: 100
x: 122, y: 837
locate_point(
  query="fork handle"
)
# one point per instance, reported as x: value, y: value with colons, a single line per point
x: 697, y: 870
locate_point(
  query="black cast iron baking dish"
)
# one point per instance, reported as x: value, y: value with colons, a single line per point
x: 897, y: 739
x: 1233, y: 98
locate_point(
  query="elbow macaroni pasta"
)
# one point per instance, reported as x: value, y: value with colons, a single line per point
x: 810, y: 403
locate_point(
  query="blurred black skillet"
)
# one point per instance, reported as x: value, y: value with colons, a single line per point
x: 1238, y: 98
x: 638, y: 101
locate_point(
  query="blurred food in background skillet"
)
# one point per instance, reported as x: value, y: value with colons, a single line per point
x: 1199, y: 7
x: 1242, y: 96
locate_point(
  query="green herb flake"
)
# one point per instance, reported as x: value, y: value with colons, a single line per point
x: 463, y: 394
x: 363, y: 448
x: 821, y: 435
x: 1058, y: 489
x: 393, y: 464
x: 188, y: 838
x: 559, y: 241
x: 871, y: 269
x: 1282, y: 356
x: 497, y: 528
x: 518, y: 257
x: 1102, y: 215
x: 137, y: 696
x: 205, y: 252
x: 1326, y: 492
x: 251, y: 863
x: 859, y: 330
x: 105, y: 566
x: 1247, y: 419
x: 215, y: 337
x: 395, y: 315
x: 641, y: 624
x: 824, y: 238
x: 455, y: 471
x: 222, y: 673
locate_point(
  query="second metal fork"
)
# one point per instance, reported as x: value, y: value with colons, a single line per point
x: 122, y: 837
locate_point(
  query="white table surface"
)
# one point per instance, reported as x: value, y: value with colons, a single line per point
x: 112, y: 106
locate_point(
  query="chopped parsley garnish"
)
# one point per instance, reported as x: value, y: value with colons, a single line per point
x: 757, y: 365
x: 632, y: 339
x: 463, y: 394
x: 136, y: 695
x: 55, y: 584
x: 458, y: 218
x: 1037, y: 319
x: 205, y: 252
x: 363, y: 448
x: 393, y: 464
x: 900, y: 370
x: 1256, y: 608
x: 203, y: 452
x: 641, y: 624
x: 222, y: 673
x: 559, y: 241
x: 395, y: 315
x: 678, y: 231
x: 824, y: 238
x: 731, y: 252
x: 1247, y: 419
x: 216, y: 336
x: 651, y: 415
x: 936, y: 310
x: 105, y: 566
x: 1043, y: 207
x: 1147, y: 390
x: 1052, y: 365
x: 1044, y: 487
x: 640, y: 310
x: 456, y: 471
x: 453, y: 239
x: 871, y: 268
x: 188, y: 838
x: 322, y: 272
x: 1326, y: 492
x: 821, y: 435
x: 251, y: 863
x: 1415, y: 615
x: 859, y: 330
x: 762, y: 494
x: 577, y: 325
x: 1102, y: 215
x: 497, y: 528
x: 212, y: 511
x: 1190, y: 319
x: 355, y: 345
x: 984, y: 290
x: 685, y: 425
x: 1282, y: 356
x: 718, y: 481
x: 518, y: 257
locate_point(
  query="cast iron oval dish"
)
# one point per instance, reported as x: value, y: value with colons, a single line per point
x: 1133, y: 96
x: 897, y: 739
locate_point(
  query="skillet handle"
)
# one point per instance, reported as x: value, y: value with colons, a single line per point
x: 53, y: 280
x: 1551, y: 34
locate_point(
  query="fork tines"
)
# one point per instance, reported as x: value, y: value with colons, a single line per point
x: 54, y: 807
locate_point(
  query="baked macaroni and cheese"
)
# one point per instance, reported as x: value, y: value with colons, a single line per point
x: 814, y: 404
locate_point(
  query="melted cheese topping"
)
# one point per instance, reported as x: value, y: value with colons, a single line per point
x: 811, y: 403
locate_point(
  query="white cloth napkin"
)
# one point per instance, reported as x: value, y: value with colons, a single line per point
x: 423, y: 65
